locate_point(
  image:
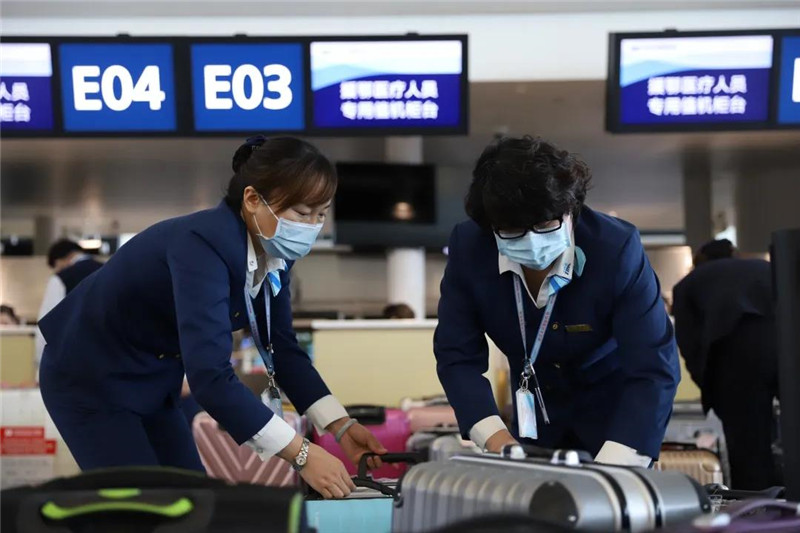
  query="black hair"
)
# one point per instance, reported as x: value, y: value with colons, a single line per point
x: 61, y: 249
x: 713, y: 250
x: 8, y: 310
x: 286, y: 171
x: 520, y: 182
x: 398, y: 311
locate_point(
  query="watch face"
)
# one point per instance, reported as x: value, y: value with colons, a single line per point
x: 301, y: 461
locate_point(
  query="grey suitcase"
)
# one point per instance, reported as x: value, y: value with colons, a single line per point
x: 440, y: 444
x: 447, y: 446
x: 565, y: 490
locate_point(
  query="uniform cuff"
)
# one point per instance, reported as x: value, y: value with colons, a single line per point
x: 485, y: 429
x: 325, y: 411
x: 614, y: 453
x: 273, y: 437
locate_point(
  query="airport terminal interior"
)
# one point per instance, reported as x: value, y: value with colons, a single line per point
x: 400, y: 266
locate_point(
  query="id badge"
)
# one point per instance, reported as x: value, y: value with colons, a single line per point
x: 526, y: 414
x: 272, y: 399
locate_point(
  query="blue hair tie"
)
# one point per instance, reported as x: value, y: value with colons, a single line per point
x: 255, y: 141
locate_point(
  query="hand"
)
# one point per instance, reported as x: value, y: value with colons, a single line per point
x: 500, y: 439
x: 357, y: 441
x: 323, y: 472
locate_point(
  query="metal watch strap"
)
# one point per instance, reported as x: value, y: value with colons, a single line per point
x: 302, y: 457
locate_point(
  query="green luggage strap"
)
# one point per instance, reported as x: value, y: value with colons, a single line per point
x: 115, y: 500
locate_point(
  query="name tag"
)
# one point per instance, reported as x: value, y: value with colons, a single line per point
x: 579, y: 328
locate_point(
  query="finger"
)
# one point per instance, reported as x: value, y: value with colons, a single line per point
x: 342, y: 486
x: 377, y: 461
x: 371, y: 463
x: 336, y: 491
x: 349, y: 482
x: 326, y: 494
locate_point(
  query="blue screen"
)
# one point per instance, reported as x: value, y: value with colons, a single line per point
x: 248, y: 87
x: 387, y: 84
x: 789, y: 99
x: 26, y: 99
x: 117, y: 87
x: 695, y: 80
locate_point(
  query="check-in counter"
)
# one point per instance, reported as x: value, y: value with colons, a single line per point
x: 381, y: 361
x: 17, y: 356
x: 376, y: 361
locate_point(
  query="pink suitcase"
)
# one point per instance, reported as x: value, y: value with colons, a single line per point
x: 225, y: 459
x: 434, y: 416
x: 390, y: 426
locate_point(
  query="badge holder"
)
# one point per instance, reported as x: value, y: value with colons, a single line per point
x: 272, y: 395
x: 526, y: 405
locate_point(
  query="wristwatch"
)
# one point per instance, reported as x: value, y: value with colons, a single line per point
x: 302, y: 458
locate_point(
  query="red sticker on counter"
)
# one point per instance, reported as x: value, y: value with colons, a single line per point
x: 25, y: 440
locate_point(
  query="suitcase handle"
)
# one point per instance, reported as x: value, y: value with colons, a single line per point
x: 771, y: 493
x: 368, y: 415
x: 386, y: 490
x: 410, y: 458
x: 789, y: 517
x: 560, y: 457
x: 115, y: 500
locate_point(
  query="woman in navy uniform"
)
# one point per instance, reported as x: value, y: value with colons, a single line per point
x: 568, y: 295
x: 166, y: 304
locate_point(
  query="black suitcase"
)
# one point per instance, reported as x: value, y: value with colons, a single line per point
x: 149, y: 499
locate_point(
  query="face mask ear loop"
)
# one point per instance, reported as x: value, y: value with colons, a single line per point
x: 268, y: 207
x: 261, y: 233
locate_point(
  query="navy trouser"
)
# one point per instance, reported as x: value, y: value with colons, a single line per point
x: 101, y: 436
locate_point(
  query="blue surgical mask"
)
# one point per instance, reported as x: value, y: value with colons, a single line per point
x: 537, y: 250
x: 292, y: 240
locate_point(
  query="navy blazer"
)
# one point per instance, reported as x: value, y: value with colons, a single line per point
x: 164, y: 304
x: 608, y: 365
x: 710, y: 301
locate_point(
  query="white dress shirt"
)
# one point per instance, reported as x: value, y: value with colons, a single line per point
x: 277, y: 434
x: 571, y: 261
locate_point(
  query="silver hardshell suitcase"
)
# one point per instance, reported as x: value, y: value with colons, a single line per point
x: 562, y: 490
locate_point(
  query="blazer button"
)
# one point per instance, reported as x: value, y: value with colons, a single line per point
x: 161, y: 356
x: 236, y: 315
x: 557, y: 365
x: 177, y: 356
x: 555, y: 326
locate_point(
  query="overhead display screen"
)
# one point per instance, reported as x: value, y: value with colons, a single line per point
x: 109, y: 87
x: 695, y: 80
x: 789, y: 91
x: 398, y: 85
x: 248, y: 87
x: 26, y: 94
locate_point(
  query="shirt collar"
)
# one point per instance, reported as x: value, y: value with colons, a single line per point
x: 258, y: 266
x: 79, y: 258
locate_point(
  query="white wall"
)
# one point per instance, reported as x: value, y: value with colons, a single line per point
x: 564, y: 46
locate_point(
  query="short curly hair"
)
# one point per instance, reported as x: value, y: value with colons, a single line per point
x: 520, y: 182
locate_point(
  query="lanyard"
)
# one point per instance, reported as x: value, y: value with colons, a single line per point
x: 266, y: 353
x: 528, y: 371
